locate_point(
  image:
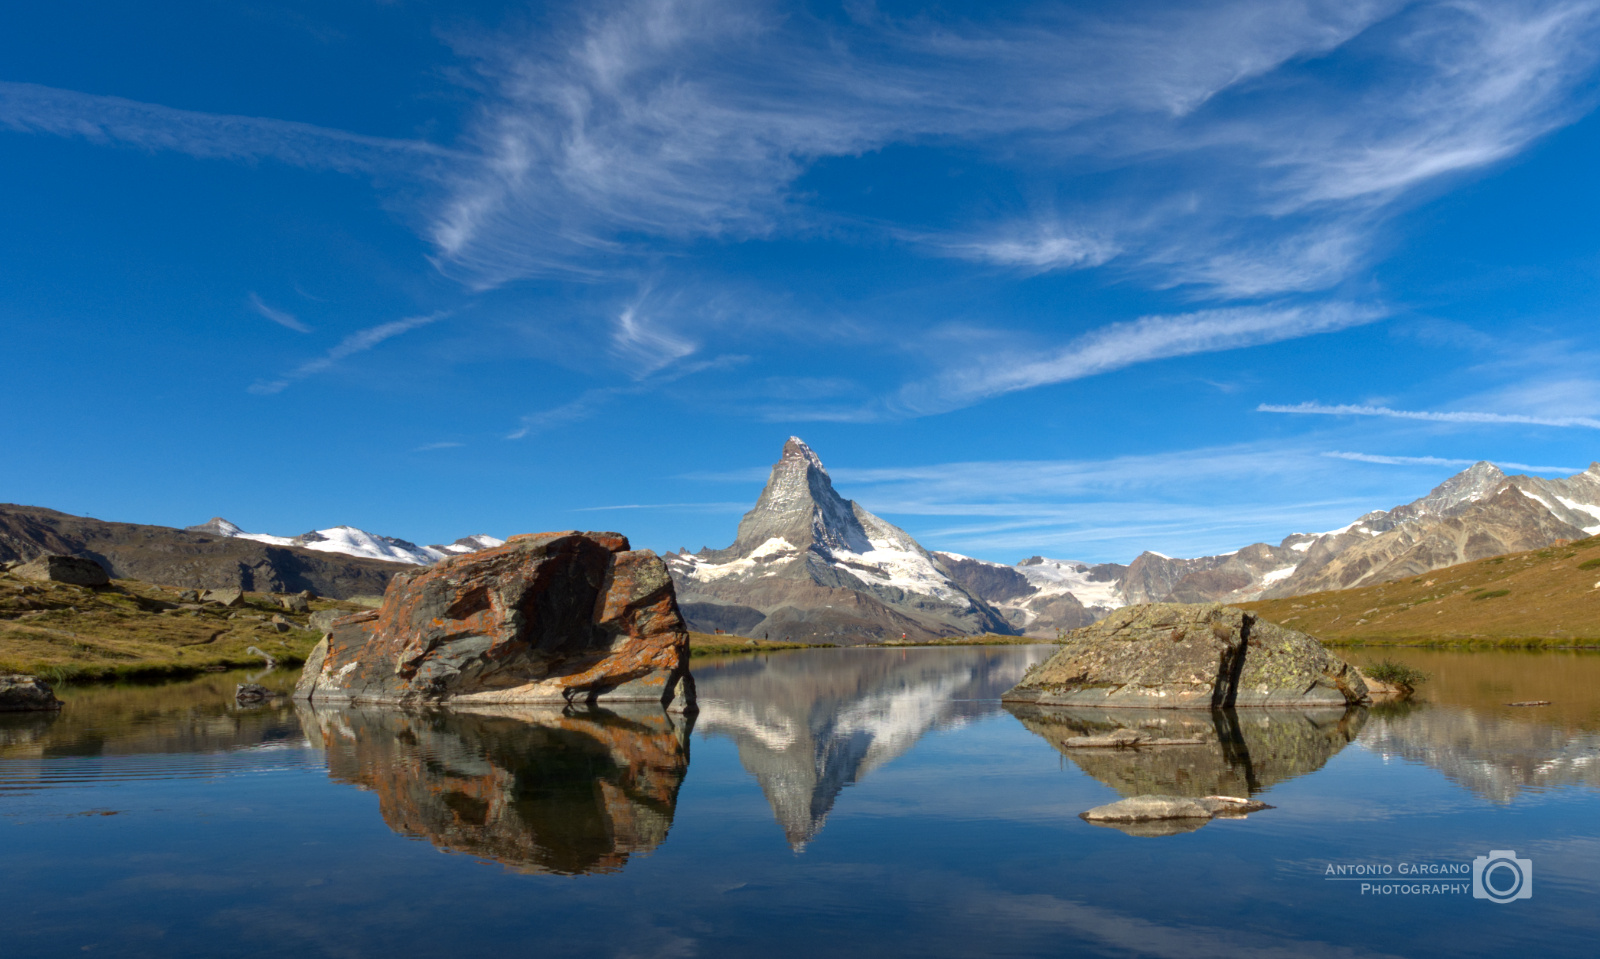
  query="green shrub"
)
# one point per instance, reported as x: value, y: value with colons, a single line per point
x: 1589, y: 564
x: 1491, y: 594
x: 1396, y: 674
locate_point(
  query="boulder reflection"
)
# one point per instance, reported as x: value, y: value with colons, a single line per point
x: 538, y: 790
x: 1241, y: 753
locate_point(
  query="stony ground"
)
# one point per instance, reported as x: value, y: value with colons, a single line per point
x: 1545, y: 597
x: 132, y: 628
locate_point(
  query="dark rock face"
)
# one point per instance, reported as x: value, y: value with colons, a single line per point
x: 547, y: 618
x: 175, y: 557
x: 1175, y: 656
x: 996, y: 584
x: 19, y: 693
x: 73, y: 570
x: 538, y: 790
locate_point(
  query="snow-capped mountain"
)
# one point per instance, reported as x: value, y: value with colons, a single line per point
x: 808, y: 564
x: 355, y: 542
x: 1040, y: 596
x: 1477, y: 513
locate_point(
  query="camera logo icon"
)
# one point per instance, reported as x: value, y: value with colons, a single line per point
x: 1502, y: 877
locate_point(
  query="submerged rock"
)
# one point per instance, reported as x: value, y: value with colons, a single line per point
x: 72, y: 570
x: 1124, y: 738
x: 19, y: 693
x: 1181, y: 656
x: 547, y: 618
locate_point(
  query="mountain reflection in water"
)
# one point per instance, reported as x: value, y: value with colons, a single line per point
x: 1241, y: 751
x: 537, y: 790
x: 1495, y: 756
x: 809, y: 724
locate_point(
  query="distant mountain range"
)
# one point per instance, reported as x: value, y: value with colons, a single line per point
x: 809, y: 565
x: 355, y: 542
x: 338, y: 563
x: 1478, y: 513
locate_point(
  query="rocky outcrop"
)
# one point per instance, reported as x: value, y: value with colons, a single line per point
x: 20, y: 694
x: 809, y: 565
x: 1176, y: 656
x: 536, y: 789
x: 175, y: 557
x: 547, y: 618
x: 72, y: 570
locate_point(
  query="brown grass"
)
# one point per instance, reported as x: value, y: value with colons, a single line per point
x: 1542, y: 598
x: 131, y: 628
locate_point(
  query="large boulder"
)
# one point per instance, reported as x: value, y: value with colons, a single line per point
x: 73, y: 570
x: 19, y: 693
x: 1181, y: 656
x: 547, y: 618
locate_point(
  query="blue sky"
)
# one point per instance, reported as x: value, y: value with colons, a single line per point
x: 1071, y: 279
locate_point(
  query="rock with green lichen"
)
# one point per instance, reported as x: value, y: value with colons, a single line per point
x: 1189, y: 656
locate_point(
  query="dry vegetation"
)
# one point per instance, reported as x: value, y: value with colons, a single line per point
x: 1543, y: 598
x: 130, y: 628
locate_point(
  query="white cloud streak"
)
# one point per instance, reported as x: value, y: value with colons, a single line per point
x: 357, y: 342
x: 1439, y: 461
x: 1431, y: 416
x: 1124, y: 344
x: 28, y: 107
x: 277, y: 316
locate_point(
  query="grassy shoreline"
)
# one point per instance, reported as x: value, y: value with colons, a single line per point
x: 141, y: 632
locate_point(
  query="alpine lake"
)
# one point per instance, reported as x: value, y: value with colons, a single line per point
x: 822, y: 802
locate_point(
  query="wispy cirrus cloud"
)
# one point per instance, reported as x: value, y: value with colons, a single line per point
x: 28, y: 107
x: 1121, y: 345
x: 1431, y: 416
x: 357, y: 342
x: 277, y: 316
x: 1383, y: 460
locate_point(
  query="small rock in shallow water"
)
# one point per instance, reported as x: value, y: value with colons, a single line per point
x: 253, y: 693
x: 19, y: 693
x: 1157, y: 808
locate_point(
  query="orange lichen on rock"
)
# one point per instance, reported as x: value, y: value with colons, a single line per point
x: 548, y: 617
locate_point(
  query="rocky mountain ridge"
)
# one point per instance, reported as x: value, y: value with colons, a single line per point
x: 1477, y: 513
x: 175, y: 557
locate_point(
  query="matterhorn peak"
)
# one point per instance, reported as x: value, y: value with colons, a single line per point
x: 797, y: 450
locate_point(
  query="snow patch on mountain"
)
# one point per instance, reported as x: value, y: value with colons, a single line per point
x: 350, y: 541
x: 1589, y: 508
x: 1057, y: 576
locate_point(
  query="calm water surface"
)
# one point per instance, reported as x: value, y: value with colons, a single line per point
x: 823, y: 802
